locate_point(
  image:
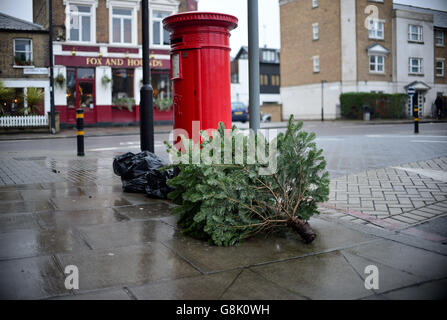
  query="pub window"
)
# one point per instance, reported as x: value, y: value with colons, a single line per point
x: 23, y: 52
x: 122, y: 80
x: 275, y: 80
x: 80, y: 23
x: 121, y: 25
x: 161, y: 84
x: 160, y: 36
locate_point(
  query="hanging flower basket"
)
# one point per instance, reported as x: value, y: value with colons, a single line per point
x: 60, y: 80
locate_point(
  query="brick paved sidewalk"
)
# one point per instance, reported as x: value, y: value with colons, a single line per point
x: 391, y: 198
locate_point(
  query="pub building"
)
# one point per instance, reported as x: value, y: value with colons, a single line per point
x: 97, y: 58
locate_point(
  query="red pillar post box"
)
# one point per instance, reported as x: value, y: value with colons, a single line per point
x: 200, y: 69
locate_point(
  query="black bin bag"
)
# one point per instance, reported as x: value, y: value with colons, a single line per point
x: 142, y: 173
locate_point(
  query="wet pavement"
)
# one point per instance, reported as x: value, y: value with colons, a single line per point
x: 127, y: 246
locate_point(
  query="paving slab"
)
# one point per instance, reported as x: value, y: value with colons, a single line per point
x: 322, y: 276
x: 47, y: 194
x: 11, y: 222
x: 251, y: 286
x: 130, y: 265
x: 66, y: 219
x: 10, y: 196
x: 389, y: 278
x: 115, y: 294
x: 89, y: 202
x: 153, y: 210
x: 203, y: 287
x: 436, y: 290
x: 126, y: 233
x: 210, y: 258
x: 35, y: 242
x: 418, y: 262
x: 30, y: 278
x: 25, y: 207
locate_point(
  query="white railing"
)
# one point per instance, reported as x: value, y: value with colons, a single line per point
x: 23, y: 121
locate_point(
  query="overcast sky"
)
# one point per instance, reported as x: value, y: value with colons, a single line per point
x: 269, y: 33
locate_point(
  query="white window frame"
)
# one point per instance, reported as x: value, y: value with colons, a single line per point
x: 421, y: 66
x: 442, y: 60
x: 316, y: 64
x: 374, y: 29
x: 14, y: 53
x: 93, y: 4
x: 315, y: 31
x: 420, y: 33
x: 314, y: 3
x: 133, y: 5
x: 442, y: 38
x: 376, y: 63
x: 170, y: 10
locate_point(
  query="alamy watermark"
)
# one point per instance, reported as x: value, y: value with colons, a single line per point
x: 372, y: 279
x: 72, y: 278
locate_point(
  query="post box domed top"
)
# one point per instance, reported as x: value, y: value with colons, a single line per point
x: 197, y: 18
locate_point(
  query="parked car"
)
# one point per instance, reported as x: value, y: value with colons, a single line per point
x: 239, y: 112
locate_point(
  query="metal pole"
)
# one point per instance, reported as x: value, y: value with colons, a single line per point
x: 146, y: 92
x: 322, y: 99
x: 253, y: 64
x: 52, y: 112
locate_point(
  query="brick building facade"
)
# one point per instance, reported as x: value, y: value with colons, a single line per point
x: 23, y: 63
x: 353, y: 45
x: 97, y: 57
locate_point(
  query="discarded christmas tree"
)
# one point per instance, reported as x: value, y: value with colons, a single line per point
x: 227, y: 197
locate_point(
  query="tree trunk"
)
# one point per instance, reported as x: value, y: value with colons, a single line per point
x: 303, y: 229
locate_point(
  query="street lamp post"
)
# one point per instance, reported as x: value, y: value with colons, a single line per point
x: 146, y: 92
x: 322, y: 99
x: 50, y: 51
x: 253, y: 65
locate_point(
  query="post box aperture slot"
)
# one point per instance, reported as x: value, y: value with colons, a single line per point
x: 176, y: 40
x: 176, y: 66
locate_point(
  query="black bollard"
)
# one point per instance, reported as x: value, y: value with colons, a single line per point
x: 416, y: 119
x: 80, y: 128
